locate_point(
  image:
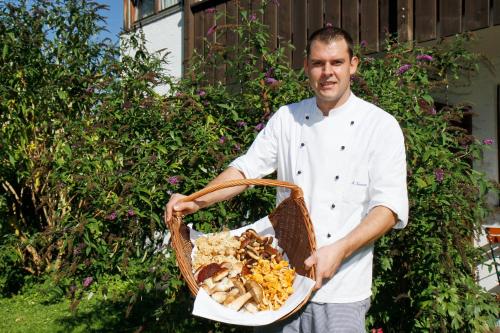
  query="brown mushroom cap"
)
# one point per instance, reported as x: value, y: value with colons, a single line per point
x: 206, y: 271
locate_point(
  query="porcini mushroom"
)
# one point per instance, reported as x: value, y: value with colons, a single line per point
x: 223, y: 285
x: 254, y: 291
x: 219, y: 296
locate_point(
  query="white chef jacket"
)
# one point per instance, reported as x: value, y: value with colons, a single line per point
x: 346, y: 164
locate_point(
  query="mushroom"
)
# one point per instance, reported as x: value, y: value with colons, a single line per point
x: 229, y: 299
x: 254, y: 292
x: 223, y: 285
x: 238, y: 286
x: 220, y: 274
x: 208, y: 283
x: 207, y: 271
x: 251, y: 307
x: 219, y: 296
x: 236, y: 269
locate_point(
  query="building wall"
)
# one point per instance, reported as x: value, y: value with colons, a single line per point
x: 165, y: 33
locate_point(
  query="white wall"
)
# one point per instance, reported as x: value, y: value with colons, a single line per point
x: 165, y: 34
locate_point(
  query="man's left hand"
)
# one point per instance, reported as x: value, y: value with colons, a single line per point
x: 327, y: 260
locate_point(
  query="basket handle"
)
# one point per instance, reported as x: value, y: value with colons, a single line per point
x: 296, y: 190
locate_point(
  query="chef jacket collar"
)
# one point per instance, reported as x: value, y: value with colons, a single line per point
x: 337, y: 111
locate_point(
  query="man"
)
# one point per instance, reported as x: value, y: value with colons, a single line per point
x: 348, y: 156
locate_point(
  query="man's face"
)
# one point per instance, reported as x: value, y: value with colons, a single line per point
x: 329, y: 70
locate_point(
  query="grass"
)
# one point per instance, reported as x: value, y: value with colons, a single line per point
x: 44, y: 308
x: 29, y: 313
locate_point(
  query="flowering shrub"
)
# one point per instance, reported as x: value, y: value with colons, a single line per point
x: 89, y: 155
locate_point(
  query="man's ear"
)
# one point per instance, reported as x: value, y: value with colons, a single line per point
x: 354, y: 65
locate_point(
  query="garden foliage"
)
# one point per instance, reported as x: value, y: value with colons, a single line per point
x: 90, y: 153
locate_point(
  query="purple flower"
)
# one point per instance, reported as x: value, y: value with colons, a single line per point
x: 210, y: 10
x: 269, y: 72
x: 252, y: 17
x: 130, y: 213
x: 87, y: 281
x: 424, y: 57
x: 432, y: 111
x: 222, y: 139
x: 259, y: 127
x: 237, y: 147
x: 241, y: 123
x: 201, y: 93
x: 439, y: 174
x: 488, y: 141
x: 403, y: 69
x: 363, y: 43
x: 211, y: 30
x: 174, y: 180
x: 271, y: 80
x: 112, y: 216
x: 328, y: 25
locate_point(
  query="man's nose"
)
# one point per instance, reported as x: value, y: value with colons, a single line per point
x: 328, y: 69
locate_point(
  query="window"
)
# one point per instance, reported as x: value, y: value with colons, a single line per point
x: 168, y: 3
x: 145, y: 8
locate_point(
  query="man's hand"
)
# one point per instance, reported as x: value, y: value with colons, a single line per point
x: 174, y: 206
x: 327, y: 260
x: 184, y: 208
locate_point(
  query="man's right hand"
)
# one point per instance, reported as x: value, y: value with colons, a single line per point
x: 184, y: 208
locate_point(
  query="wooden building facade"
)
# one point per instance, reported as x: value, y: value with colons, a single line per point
x: 365, y: 20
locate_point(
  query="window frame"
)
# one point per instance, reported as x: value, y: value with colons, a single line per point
x: 131, y: 12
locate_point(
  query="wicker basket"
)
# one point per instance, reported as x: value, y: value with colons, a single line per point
x: 290, y: 220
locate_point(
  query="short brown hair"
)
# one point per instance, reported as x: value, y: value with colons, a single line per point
x: 327, y: 35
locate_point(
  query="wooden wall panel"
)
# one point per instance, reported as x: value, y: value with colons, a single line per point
x: 271, y: 21
x: 220, y: 38
x: 425, y: 20
x: 332, y: 13
x: 199, y: 31
x: 315, y: 16
x: 450, y: 17
x: 383, y: 15
x: 405, y: 20
x: 256, y: 6
x: 496, y: 15
x: 285, y: 26
x: 350, y: 18
x: 477, y: 14
x: 369, y: 25
x: 231, y: 36
x: 299, y: 32
x: 365, y: 20
x: 188, y: 34
x: 209, y: 24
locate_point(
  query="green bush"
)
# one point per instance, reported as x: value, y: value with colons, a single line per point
x: 90, y: 153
